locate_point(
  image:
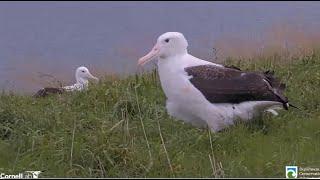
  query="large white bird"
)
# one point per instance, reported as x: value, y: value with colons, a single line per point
x: 82, y: 81
x: 208, y: 94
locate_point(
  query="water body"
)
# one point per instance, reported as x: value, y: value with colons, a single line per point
x: 56, y: 37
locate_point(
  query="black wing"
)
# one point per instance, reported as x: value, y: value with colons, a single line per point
x: 231, y: 85
x: 47, y: 91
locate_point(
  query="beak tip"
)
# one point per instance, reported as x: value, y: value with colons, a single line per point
x: 151, y: 55
x: 140, y: 63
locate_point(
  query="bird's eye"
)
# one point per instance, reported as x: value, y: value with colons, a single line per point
x: 166, y: 40
x: 83, y: 71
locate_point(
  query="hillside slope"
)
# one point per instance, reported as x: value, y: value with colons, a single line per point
x: 120, y: 128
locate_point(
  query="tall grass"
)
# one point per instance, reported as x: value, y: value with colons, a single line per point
x: 120, y: 128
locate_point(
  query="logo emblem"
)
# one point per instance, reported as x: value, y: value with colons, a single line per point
x: 35, y: 174
x: 291, y: 171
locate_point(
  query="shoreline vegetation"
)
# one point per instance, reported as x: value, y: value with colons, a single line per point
x: 120, y: 128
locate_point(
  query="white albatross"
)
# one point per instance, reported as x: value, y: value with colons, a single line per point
x: 82, y: 81
x: 208, y: 94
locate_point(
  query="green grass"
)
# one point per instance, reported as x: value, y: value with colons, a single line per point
x: 120, y: 128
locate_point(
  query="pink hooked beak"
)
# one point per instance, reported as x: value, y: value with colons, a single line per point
x: 152, y: 54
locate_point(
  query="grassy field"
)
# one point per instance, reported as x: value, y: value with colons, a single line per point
x: 120, y: 128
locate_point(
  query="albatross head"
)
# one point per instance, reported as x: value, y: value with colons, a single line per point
x: 83, y: 75
x: 168, y: 44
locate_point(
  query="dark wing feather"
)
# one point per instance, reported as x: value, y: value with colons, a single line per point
x: 230, y: 85
x: 47, y: 91
x: 233, y: 67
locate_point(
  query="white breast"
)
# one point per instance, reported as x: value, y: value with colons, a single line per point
x: 75, y: 87
x: 175, y: 81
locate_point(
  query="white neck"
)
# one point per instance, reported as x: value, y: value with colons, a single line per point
x: 179, y: 62
x: 82, y: 81
x: 173, y: 59
x: 182, y: 51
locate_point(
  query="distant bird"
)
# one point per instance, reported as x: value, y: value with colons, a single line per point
x: 208, y: 94
x: 82, y: 77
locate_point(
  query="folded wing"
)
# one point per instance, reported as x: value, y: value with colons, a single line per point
x: 47, y: 91
x: 231, y: 85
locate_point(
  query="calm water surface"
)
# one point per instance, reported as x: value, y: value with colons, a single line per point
x: 108, y: 37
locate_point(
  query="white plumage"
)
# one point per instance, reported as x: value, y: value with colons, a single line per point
x: 82, y: 81
x: 184, y: 100
x: 82, y: 75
